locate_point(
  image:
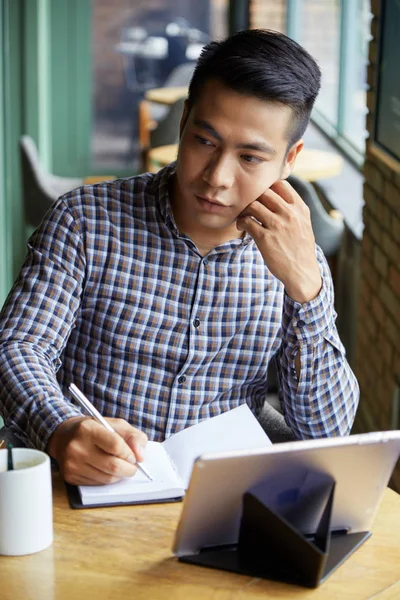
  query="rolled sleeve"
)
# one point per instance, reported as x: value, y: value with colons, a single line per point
x: 323, y: 400
x: 308, y: 323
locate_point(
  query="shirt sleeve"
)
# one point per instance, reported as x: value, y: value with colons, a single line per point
x: 323, y: 401
x: 35, y: 323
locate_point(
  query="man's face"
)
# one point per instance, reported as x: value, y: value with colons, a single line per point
x: 232, y: 148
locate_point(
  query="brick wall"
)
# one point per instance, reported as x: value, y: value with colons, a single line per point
x: 378, y: 321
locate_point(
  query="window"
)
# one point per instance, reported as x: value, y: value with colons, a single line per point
x: 319, y: 33
x: 337, y: 34
x: 136, y: 45
x: 354, y: 113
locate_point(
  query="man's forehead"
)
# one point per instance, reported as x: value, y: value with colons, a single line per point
x: 268, y: 124
x: 215, y: 89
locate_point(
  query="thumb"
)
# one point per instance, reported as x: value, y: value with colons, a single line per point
x: 240, y: 224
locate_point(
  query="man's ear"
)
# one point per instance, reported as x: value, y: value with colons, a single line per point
x: 184, y: 118
x: 291, y: 158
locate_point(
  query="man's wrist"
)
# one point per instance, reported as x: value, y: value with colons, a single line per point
x: 58, y: 439
x: 305, y: 292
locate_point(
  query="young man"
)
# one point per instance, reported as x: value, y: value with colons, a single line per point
x: 165, y: 297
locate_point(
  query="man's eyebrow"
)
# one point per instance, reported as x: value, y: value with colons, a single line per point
x: 208, y: 127
x: 257, y: 146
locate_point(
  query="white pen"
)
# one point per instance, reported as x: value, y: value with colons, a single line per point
x: 93, y: 412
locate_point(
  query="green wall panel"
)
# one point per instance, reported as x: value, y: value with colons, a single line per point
x: 45, y: 91
x: 4, y: 241
x: 71, y: 86
x: 12, y: 222
x: 36, y: 68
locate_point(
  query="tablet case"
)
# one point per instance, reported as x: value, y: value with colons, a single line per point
x: 270, y: 546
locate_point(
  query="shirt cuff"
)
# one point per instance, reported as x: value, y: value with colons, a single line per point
x: 46, y: 416
x: 307, y: 323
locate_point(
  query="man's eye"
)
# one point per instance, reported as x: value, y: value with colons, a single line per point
x: 251, y: 159
x: 202, y: 140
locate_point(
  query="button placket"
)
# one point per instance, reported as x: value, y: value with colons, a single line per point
x: 183, y: 382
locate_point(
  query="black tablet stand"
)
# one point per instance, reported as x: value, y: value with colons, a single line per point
x: 271, y: 548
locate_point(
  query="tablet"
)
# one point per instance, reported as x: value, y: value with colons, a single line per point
x: 360, y: 466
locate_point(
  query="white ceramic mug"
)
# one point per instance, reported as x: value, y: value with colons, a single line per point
x: 26, y: 507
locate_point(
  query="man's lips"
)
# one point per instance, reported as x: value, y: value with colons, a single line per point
x: 212, y: 201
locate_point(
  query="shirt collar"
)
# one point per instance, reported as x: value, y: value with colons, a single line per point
x: 161, y: 189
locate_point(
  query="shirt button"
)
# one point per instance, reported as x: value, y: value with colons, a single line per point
x: 182, y: 379
x: 301, y: 323
x: 205, y: 262
x: 196, y: 322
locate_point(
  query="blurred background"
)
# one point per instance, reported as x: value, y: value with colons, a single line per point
x: 136, y: 46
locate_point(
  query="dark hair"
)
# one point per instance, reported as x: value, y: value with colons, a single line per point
x: 265, y: 64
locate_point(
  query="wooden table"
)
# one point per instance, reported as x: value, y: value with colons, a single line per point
x: 310, y: 164
x: 166, y: 95
x: 317, y: 164
x: 125, y: 552
x: 93, y: 179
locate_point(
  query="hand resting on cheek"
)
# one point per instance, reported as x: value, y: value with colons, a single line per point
x: 280, y: 224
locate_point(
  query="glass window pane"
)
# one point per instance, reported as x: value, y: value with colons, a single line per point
x: 137, y: 44
x: 270, y: 15
x: 355, y: 97
x: 319, y: 33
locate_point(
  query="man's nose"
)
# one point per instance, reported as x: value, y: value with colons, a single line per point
x: 219, y: 171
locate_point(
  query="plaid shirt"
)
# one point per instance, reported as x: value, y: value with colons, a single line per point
x: 112, y: 297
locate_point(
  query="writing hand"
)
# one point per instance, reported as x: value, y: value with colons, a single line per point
x: 284, y: 236
x: 88, y: 454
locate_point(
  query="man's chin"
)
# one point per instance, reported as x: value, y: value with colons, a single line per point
x: 216, y: 222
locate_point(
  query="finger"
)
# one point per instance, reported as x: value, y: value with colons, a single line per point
x: 78, y: 479
x: 110, y: 465
x: 89, y: 475
x: 285, y: 191
x: 110, y: 442
x: 81, y: 480
x: 273, y: 200
x: 260, y: 212
x: 270, y: 201
x: 134, y: 438
x: 253, y: 228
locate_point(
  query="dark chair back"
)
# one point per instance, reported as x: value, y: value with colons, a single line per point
x: 39, y: 187
x: 328, y: 230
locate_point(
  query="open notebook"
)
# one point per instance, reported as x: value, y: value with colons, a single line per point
x: 170, y: 462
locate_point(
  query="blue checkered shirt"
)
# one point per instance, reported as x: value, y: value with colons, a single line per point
x: 112, y: 297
